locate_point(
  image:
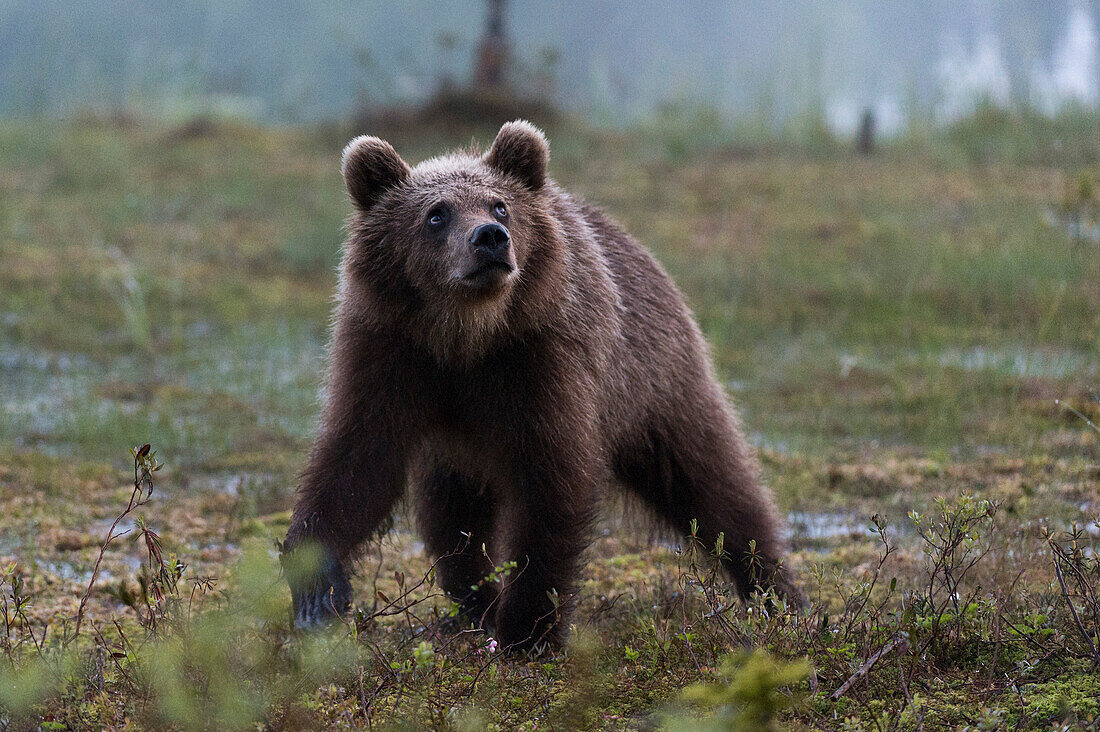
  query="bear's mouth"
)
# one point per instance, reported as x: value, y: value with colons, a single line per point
x: 490, y: 273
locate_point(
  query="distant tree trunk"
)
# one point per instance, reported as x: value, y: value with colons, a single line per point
x: 492, y: 52
x: 865, y: 143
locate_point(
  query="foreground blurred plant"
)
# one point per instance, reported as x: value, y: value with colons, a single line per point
x: 887, y: 647
x: 753, y: 692
x: 17, y: 627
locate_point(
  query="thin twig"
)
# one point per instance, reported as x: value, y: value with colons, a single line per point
x: 1073, y: 611
x: 144, y: 467
x: 897, y: 642
x: 1071, y: 409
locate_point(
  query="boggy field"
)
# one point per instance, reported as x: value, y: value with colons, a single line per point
x: 911, y: 339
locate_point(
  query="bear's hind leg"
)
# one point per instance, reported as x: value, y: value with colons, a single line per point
x: 456, y: 515
x: 701, y: 469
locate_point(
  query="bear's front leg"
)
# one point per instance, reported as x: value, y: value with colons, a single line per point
x: 355, y: 475
x: 550, y: 517
x: 347, y: 493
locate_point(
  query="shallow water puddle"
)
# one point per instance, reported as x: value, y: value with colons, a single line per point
x: 823, y: 531
x: 274, y: 370
x: 1076, y: 228
x: 812, y: 526
x: 1047, y: 362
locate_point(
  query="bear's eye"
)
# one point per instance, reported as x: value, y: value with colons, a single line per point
x: 500, y: 210
x: 437, y: 217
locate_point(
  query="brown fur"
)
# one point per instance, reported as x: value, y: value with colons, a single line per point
x: 512, y: 403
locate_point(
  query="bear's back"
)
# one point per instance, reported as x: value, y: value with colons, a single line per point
x: 660, y: 344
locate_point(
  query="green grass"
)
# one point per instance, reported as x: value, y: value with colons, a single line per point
x: 893, y: 329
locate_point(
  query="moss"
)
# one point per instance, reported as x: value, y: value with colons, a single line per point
x: 1073, y: 697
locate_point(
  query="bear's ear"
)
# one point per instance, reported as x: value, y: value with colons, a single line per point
x: 370, y: 166
x: 520, y: 150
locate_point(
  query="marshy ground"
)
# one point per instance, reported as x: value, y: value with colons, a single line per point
x: 896, y: 329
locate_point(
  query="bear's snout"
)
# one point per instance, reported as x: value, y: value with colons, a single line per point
x: 492, y: 239
x: 491, y: 261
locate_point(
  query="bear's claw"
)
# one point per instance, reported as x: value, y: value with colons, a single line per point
x: 319, y: 596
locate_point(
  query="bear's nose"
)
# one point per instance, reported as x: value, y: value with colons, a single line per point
x: 493, y: 238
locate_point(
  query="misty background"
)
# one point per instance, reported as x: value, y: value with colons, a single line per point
x: 613, y: 62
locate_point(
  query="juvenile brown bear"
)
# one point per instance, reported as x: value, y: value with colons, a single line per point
x: 510, y: 352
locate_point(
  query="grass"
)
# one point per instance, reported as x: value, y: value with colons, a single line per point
x: 895, y: 329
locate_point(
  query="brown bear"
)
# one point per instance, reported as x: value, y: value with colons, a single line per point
x: 509, y: 352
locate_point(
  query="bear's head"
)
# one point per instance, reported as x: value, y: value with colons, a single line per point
x: 447, y: 247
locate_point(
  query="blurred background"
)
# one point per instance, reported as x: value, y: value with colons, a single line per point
x: 884, y: 214
x: 771, y: 64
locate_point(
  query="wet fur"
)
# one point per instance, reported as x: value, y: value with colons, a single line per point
x: 511, y: 413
